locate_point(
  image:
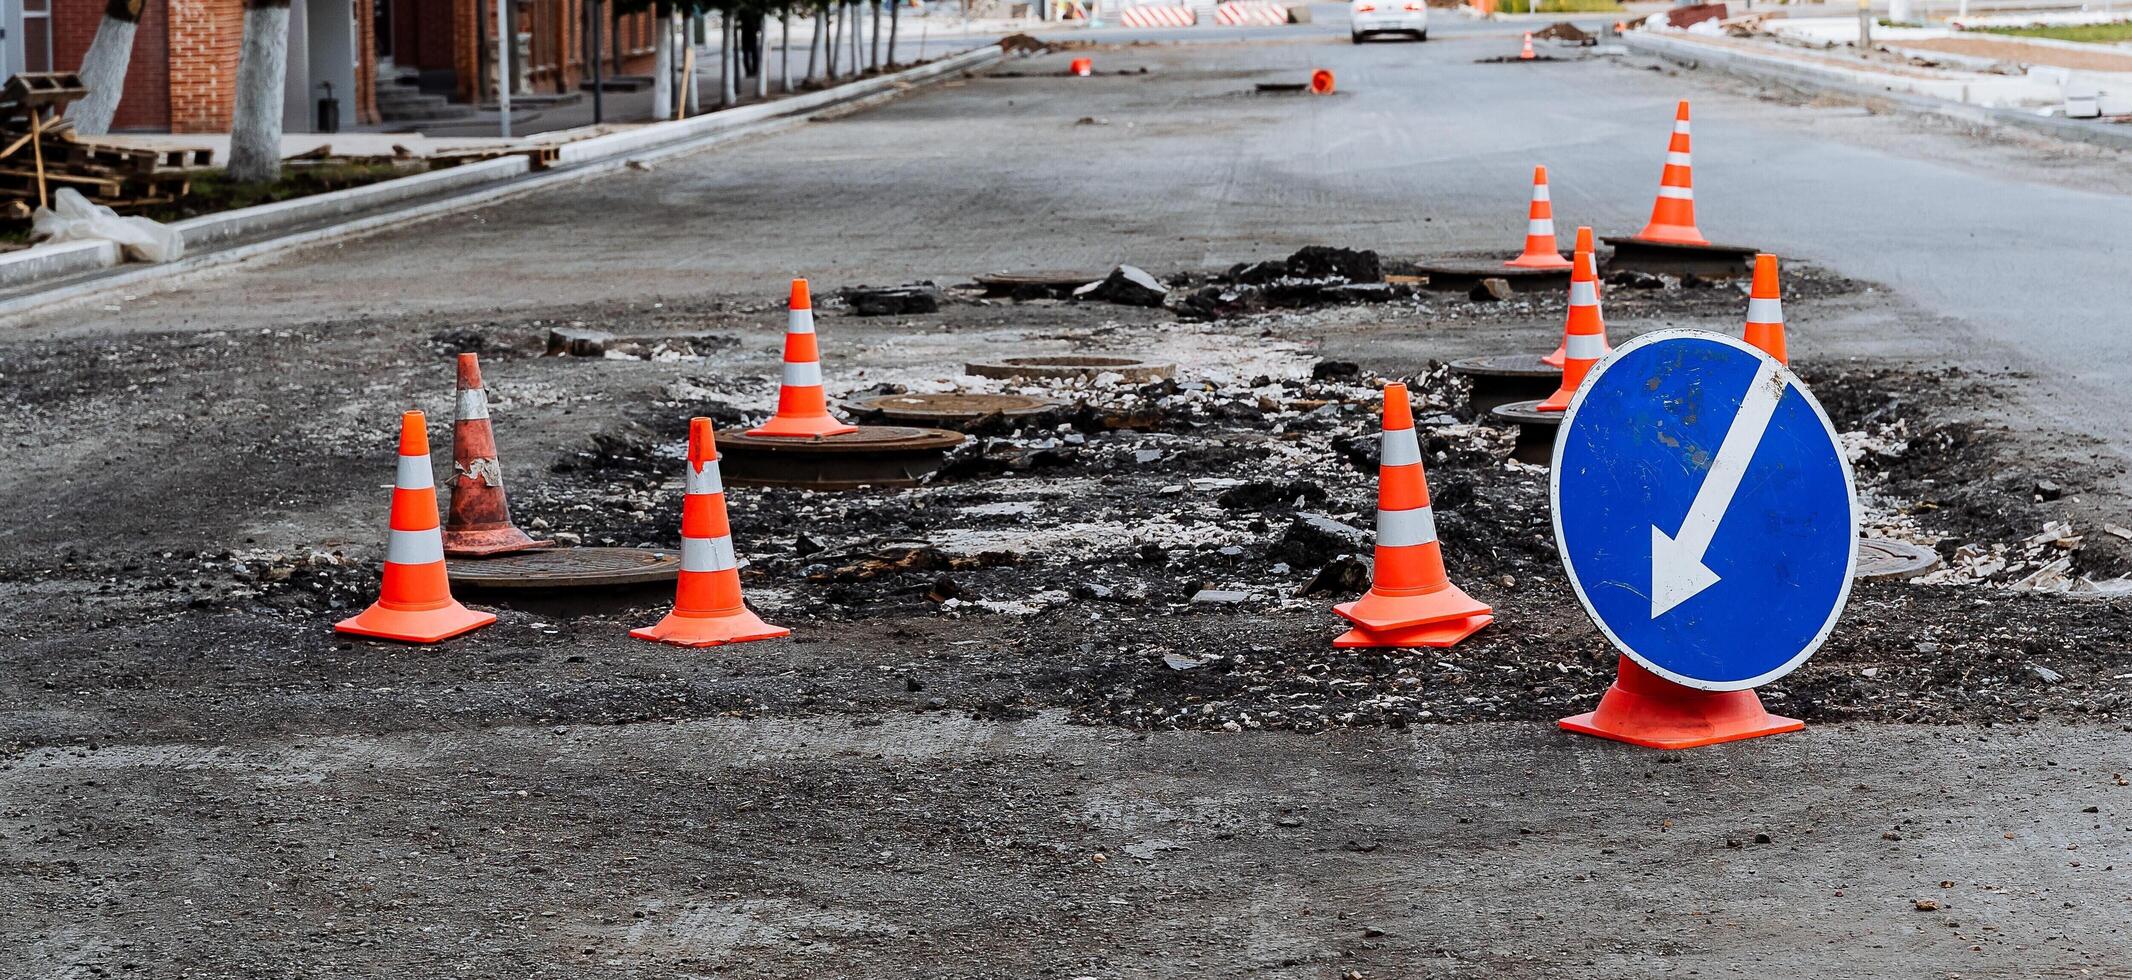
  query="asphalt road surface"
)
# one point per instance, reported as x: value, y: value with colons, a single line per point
x: 225, y: 801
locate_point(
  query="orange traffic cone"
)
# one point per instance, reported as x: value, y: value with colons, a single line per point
x: 708, y: 609
x: 1765, y: 310
x: 1584, y: 343
x: 1082, y: 67
x: 1561, y: 354
x: 1321, y: 81
x: 1642, y: 708
x: 415, y: 603
x: 1540, y: 249
x: 1411, y: 601
x: 1527, y: 55
x: 479, y: 521
x: 1673, y: 214
x: 802, y: 411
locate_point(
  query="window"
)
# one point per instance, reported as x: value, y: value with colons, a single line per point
x: 36, y: 35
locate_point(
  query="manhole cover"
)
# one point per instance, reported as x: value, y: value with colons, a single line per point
x: 1712, y: 259
x: 1884, y: 558
x: 1047, y: 280
x: 874, y: 456
x: 1503, y: 378
x: 955, y: 408
x: 567, y: 568
x: 1536, y: 430
x: 1071, y: 366
x: 1506, y: 366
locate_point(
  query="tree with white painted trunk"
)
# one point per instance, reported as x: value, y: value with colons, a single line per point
x: 784, y: 49
x: 103, y: 68
x: 662, y: 63
x: 262, y: 69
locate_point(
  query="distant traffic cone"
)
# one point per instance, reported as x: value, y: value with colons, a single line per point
x: 708, y: 609
x: 1540, y: 249
x: 1642, y: 708
x: 1321, y: 81
x: 1082, y: 67
x: 1765, y: 309
x: 1527, y: 55
x: 1583, y: 333
x: 1673, y: 213
x: 802, y: 410
x: 1584, y: 244
x: 479, y: 521
x: 1411, y: 601
x: 415, y: 603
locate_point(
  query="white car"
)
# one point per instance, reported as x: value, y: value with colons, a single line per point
x: 1409, y: 17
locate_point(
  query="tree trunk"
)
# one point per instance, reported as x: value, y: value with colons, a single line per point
x: 691, y: 32
x: 729, y: 90
x: 814, y: 42
x: 103, y: 68
x: 835, y: 12
x: 873, y: 59
x: 784, y: 50
x: 662, y: 66
x: 895, y: 13
x: 262, y: 67
x: 858, y: 40
x: 762, y: 55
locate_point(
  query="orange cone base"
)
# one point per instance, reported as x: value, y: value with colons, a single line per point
x: 1557, y: 402
x: 740, y: 626
x: 1381, y: 613
x: 474, y: 542
x: 1672, y: 234
x: 1446, y: 633
x: 415, y: 625
x: 1542, y: 260
x: 1558, y: 358
x: 1645, y: 709
x: 806, y: 427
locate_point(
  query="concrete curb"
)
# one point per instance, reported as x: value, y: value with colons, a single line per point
x: 1809, y: 80
x: 482, y: 183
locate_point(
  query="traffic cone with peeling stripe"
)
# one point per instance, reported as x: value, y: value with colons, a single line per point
x: 708, y: 609
x: 1584, y: 244
x: 415, y: 603
x: 1673, y: 214
x: 1584, y: 341
x: 1540, y: 249
x: 1765, y: 309
x: 802, y: 409
x: 1527, y: 55
x: 479, y: 521
x: 1411, y: 601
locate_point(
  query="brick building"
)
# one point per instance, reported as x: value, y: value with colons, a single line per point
x: 183, y: 75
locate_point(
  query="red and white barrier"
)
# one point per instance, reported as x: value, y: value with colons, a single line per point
x: 1250, y: 12
x: 1157, y: 17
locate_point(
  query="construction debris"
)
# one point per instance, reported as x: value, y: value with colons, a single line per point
x: 39, y: 154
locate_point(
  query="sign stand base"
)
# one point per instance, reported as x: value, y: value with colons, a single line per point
x: 1645, y: 709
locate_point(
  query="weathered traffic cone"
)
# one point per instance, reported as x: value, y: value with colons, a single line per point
x: 1561, y: 354
x: 708, y: 609
x: 479, y: 520
x: 1642, y: 708
x: 1321, y: 81
x: 415, y: 602
x: 1527, y: 55
x: 802, y: 409
x: 1540, y: 249
x: 1584, y: 340
x: 1673, y: 213
x: 1765, y: 309
x: 1411, y: 601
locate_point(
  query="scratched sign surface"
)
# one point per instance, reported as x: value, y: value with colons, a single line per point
x: 1704, y: 510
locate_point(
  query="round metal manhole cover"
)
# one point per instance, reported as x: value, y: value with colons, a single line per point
x: 567, y: 568
x: 1527, y: 413
x: 869, y: 439
x: 1042, y: 279
x: 955, y: 408
x: 1086, y: 366
x: 1505, y: 366
x: 1886, y: 558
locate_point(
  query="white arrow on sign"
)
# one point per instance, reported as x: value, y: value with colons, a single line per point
x: 1677, y: 570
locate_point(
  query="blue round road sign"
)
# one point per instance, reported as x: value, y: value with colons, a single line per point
x: 1704, y: 510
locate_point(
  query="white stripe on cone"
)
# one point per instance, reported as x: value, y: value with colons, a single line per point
x: 1586, y: 347
x: 1583, y: 293
x: 1765, y: 311
x: 1677, y: 193
x: 1539, y: 192
x: 708, y: 554
x: 804, y: 374
x: 1678, y: 159
x: 473, y: 404
x: 705, y: 480
x: 414, y: 474
x: 799, y: 321
x: 1540, y: 226
x: 1405, y: 528
x: 1680, y: 126
x: 1398, y: 447
x: 415, y: 547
